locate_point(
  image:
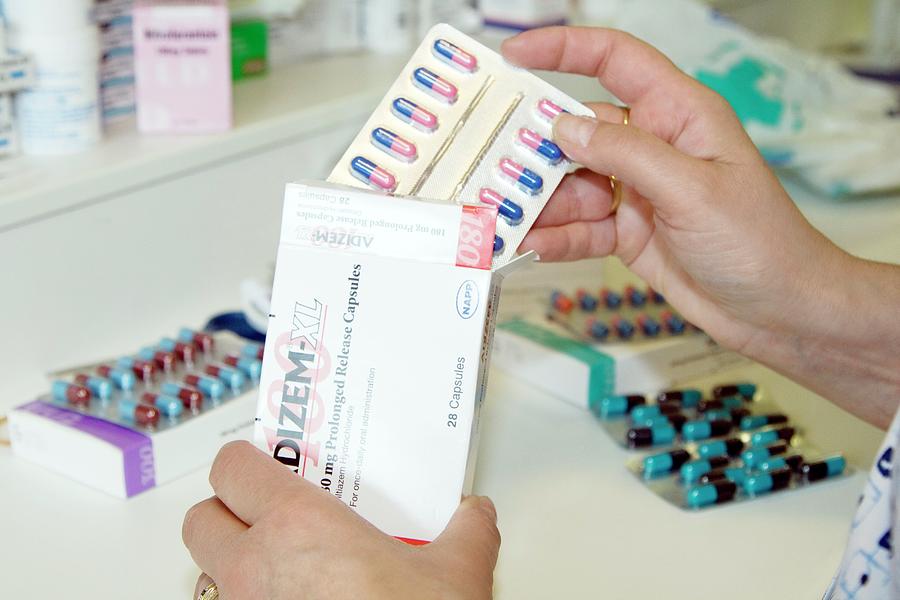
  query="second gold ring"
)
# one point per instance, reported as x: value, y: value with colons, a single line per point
x: 613, y: 182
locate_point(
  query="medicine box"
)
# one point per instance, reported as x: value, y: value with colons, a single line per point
x: 376, y: 356
x: 182, y: 52
x: 95, y: 443
x: 543, y: 354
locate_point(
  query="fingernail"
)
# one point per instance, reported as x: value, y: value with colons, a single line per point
x: 576, y: 130
x: 485, y: 504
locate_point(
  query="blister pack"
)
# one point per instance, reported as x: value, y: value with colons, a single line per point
x: 617, y: 316
x: 461, y: 124
x: 129, y: 424
x: 732, y: 444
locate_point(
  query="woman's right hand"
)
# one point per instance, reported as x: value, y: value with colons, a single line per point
x: 704, y: 220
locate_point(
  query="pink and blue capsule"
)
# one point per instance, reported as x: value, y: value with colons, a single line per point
x: 649, y: 326
x: 587, y: 302
x: 251, y: 367
x: 623, y: 327
x: 70, y: 393
x: 412, y: 114
x: 232, y: 377
x: 561, y: 302
x: 122, y: 378
x: 394, y: 145
x: 610, y: 298
x: 211, y: 388
x: 253, y: 351
x: 673, y: 323
x: 435, y: 85
x: 99, y: 386
x: 499, y: 245
x: 549, y: 109
x: 184, y: 352
x: 511, y: 212
x: 169, y: 406
x: 455, y: 56
x: 199, y: 339
x: 540, y: 145
x: 526, y: 179
x: 372, y: 175
x: 597, y: 330
x: 635, y: 297
x: 163, y: 359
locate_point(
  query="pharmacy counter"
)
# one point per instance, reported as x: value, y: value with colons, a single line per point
x: 575, y: 523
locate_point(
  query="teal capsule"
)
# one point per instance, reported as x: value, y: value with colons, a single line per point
x: 770, y: 436
x: 714, y: 415
x: 831, y: 466
x: 665, y: 462
x: 730, y: 447
x: 756, y: 455
x: 701, y: 430
x: 747, y: 390
x: 757, y: 421
x: 711, y: 493
x: 638, y: 437
x: 168, y: 405
x: 692, y: 471
x: 652, y: 421
x: 616, y: 406
x: 763, y: 483
x: 732, y: 474
x: 687, y: 398
x: 793, y: 462
x: 639, y: 413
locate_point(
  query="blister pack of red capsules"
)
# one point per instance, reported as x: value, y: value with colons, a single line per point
x: 617, y: 316
x: 131, y: 423
x: 463, y: 125
x: 731, y: 444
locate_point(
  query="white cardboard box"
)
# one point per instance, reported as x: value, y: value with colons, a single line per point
x: 543, y: 354
x: 376, y: 354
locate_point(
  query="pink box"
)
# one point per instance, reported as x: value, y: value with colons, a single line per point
x: 182, y: 54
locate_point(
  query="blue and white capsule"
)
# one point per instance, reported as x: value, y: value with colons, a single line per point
x: 526, y: 179
x: 511, y: 212
x: 372, y: 175
x: 544, y: 148
x: 435, y: 85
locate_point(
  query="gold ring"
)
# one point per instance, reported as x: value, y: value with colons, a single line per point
x: 210, y: 592
x: 613, y: 182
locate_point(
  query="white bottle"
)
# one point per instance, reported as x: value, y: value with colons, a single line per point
x: 47, y: 16
x: 60, y: 114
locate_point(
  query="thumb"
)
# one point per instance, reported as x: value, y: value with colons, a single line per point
x: 658, y: 172
x: 472, y: 534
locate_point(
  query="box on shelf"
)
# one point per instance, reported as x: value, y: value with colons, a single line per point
x: 546, y: 356
x: 182, y: 52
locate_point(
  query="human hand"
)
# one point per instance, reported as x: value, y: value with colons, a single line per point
x: 271, y: 534
x: 707, y: 224
x: 703, y: 220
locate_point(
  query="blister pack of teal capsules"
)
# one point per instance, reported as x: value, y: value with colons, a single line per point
x: 164, y: 384
x: 631, y: 314
x: 460, y: 124
x: 731, y: 444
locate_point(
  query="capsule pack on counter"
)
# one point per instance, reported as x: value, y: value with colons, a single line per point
x: 461, y: 124
x: 734, y: 444
x: 611, y: 316
x: 130, y: 424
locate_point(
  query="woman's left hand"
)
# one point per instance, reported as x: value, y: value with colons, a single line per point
x: 271, y: 534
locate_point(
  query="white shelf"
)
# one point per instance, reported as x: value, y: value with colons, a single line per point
x: 269, y: 111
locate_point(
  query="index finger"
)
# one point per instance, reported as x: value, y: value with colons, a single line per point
x: 626, y: 66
